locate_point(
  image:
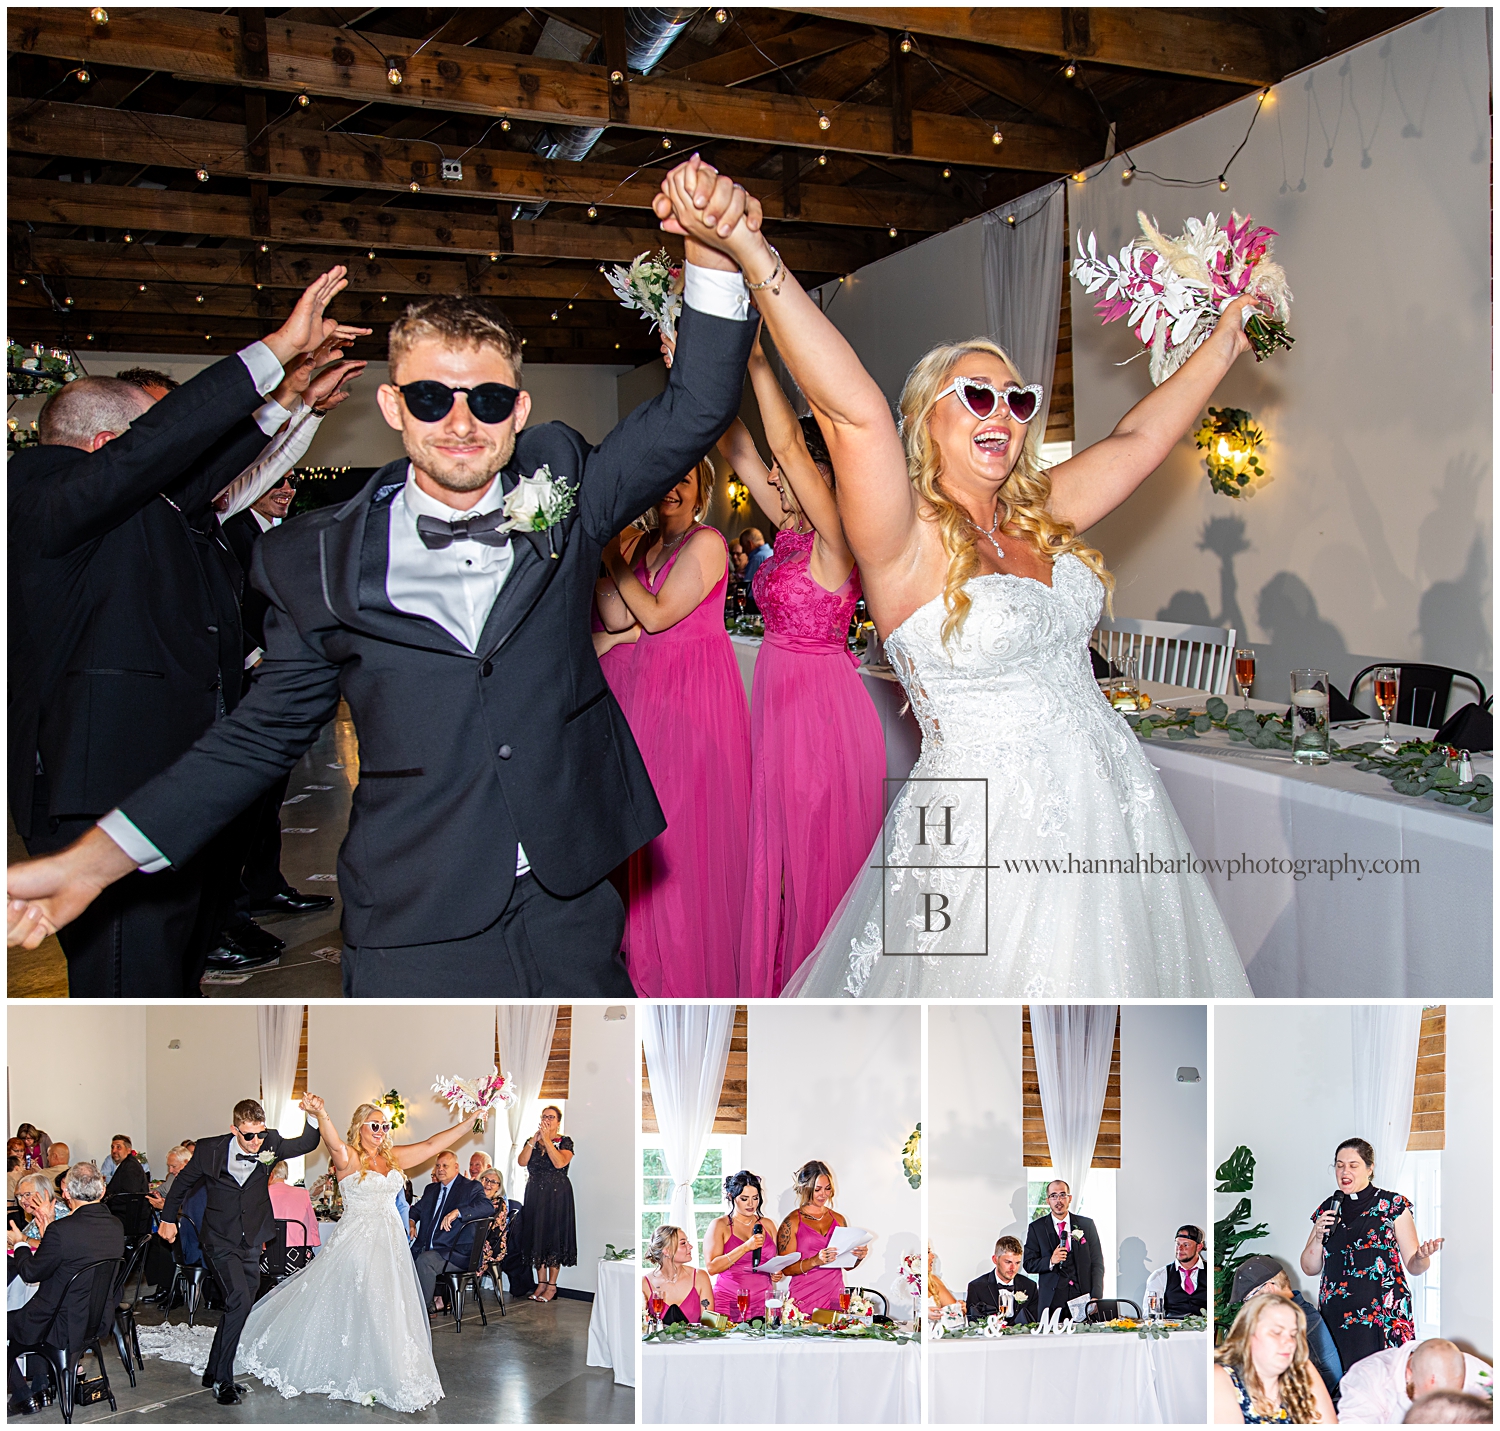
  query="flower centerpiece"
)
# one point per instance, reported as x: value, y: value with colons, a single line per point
x: 652, y: 285
x: 791, y: 1314
x: 1172, y: 291
x: 476, y: 1095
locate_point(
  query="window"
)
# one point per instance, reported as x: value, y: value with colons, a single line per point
x: 1098, y: 1205
x: 1421, y: 1180
x: 720, y: 1160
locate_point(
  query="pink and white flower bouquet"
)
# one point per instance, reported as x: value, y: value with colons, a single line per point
x: 651, y: 284
x: 1172, y: 291
x: 911, y: 1276
x: 476, y: 1095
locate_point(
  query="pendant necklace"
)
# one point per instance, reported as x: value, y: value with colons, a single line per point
x: 990, y: 535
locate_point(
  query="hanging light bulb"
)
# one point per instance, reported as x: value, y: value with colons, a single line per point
x: 88, y: 337
x: 393, y: 76
x: 1011, y: 220
x: 68, y: 302
x: 907, y: 44
x: 129, y: 237
x: 617, y: 77
x: 593, y: 213
x: 84, y: 76
x: 203, y: 176
x: 666, y: 141
x: 1079, y: 177
x: 617, y: 345
x: 996, y: 138
x: 370, y: 253
x: 824, y: 122
x: 304, y: 100
x: 947, y: 173
x: 504, y: 125
x: 259, y: 286
x: 1127, y: 172
x: 208, y: 337
x: 570, y: 307
x: 721, y: 17
x: 382, y: 298
x: 494, y: 258
x: 265, y: 248
x: 1223, y: 184
x: 415, y: 187
x: 554, y: 315
x: 892, y: 232
x: 822, y: 161
x: 1069, y: 70
x: 198, y: 298
x: 141, y: 287
x: 99, y: 15
x: 22, y: 282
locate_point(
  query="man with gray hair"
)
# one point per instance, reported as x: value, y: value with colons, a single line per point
x: 90, y: 1234
x: 1379, y: 1390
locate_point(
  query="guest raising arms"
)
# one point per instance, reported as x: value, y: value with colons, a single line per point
x: 686, y: 708
x: 816, y: 748
x: 732, y: 1244
x: 1262, y: 1372
x: 1361, y: 1236
x: 808, y: 1231
x: 676, y: 1281
x: 548, y: 1225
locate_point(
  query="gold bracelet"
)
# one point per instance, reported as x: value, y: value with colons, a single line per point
x: 778, y: 275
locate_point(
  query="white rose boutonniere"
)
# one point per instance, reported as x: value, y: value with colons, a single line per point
x: 537, y: 502
x: 1020, y: 1298
x: 1078, y: 1235
x: 268, y: 1159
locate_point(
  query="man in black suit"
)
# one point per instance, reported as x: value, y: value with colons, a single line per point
x: 499, y: 783
x: 124, y: 628
x: 88, y: 1234
x: 982, y: 1300
x: 234, y: 1169
x: 1063, y: 1252
x: 445, y: 1218
x: 129, y: 1176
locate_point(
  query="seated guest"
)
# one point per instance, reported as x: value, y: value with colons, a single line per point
x: 731, y: 1247
x: 159, y: 1254
x: 177, y: 1159
x: 1064, y: 1252
x: 31, y: 1146
x: 59, y: 1157
x: 478, y: 1162
x: 443, y: 1222
x: 1378, y: 1390
x: 938, y: 1295
x: 69, y: 1244
x: 493, y: 1187
x: 1450, y: 1408
x: 38, y: 1200
x: 292, y: 1204
x: 808, y: 1230
x: 753, y: 544
x: 128, y: 1174
x: 740, y: 560
x: 15, y: 1166
x: 1182, y: 1286
x: 1263, y: 1372
x: 674, y: 1278
x: 983, y: 1296
x: 1259, y: 1274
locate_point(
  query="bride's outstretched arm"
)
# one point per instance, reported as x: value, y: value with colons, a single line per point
x: 411, y: 1155
x: 875, y: 498
x: 338, y: 1154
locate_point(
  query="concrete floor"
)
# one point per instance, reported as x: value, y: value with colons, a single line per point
x: 526, y: 1367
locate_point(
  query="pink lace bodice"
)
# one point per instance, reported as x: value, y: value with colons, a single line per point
x: 798, y: 612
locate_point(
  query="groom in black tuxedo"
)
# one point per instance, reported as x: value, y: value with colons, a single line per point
x: 499, y: 783
x: 234, y: 1168
x: 982, y: 1300
x: 1063, y: 1252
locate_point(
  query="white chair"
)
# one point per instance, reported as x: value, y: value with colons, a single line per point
x: 1200, y: 658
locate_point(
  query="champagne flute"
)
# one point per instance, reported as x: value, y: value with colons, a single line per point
x: 1244, y: 672
x: 658, y: 1307
x: 1387, y: 679
x: 844, y: 1297
x: 742, y: 1303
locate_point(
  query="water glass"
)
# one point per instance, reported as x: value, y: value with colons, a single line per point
x: 1310, y: 717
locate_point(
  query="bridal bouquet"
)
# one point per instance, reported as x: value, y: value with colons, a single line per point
x: 476, y: 1095
x: 1172, y: 291
x: 911, y: 1276
x: 653, y: 286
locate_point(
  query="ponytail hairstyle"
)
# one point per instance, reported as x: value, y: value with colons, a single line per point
x: 1024, y: 495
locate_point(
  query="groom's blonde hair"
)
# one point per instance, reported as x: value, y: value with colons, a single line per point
x: 356, y: 1143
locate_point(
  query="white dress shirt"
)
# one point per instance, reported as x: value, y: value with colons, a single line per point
x: 274, y: 463
x: 239, y: 1171
x: 1157, y: 1281
x: 1373, y: 1390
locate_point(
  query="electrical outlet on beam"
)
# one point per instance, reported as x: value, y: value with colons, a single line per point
x: 453, y: 169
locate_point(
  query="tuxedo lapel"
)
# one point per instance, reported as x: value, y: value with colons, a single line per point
x: 535, y: 560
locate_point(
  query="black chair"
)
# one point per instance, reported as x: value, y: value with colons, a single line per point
x: 62, y: 1362
x: 470, y: 1272
x: 1107, y: 1309
x: 127, y: 1339
x: 874, y: 1298
x: 188, y: 1278
x: 1422, y: 691
x: 516, y: 1268
x: 281, y: 1256
x: 134, y: 1214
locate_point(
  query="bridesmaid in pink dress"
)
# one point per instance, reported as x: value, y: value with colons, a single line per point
x: 731, y: 1246
x: 685, y: 703
x: 815, y: 1286
x: 676, y: 1281
x: 615, y: 649
x: 817, y: 750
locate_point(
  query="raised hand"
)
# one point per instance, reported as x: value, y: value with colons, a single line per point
x: 311, y: 1103
x: 719, y: 220
x: 1427, y: 1249
x: 306, y: 328
x: 330, y: 387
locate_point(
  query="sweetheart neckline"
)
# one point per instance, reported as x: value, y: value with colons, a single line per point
x: 984, y: 576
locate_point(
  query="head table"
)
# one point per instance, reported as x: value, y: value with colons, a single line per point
x: 1115, y: 1378
x: 1424, y: 934
x: 764, y: 1380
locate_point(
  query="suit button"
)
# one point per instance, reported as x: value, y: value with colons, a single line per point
x: 488, y: 669
x: 214, y: 629
x: 503, y: 752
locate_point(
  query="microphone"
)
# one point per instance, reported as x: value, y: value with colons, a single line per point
x: 755, y: 1254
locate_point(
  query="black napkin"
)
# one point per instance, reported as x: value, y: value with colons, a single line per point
x: 1470, y: 728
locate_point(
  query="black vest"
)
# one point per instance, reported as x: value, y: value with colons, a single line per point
x: 1177, y: 1302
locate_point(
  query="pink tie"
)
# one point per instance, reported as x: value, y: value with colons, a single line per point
x: 1062, y: 1232
x: 1187, y: 1281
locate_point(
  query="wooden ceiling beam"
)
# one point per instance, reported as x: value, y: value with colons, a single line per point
x: 391, y: 164
x: 1171, y: 42
x: 318, y: 60
x: 292, y: 220
x: 1028, y: 87
x: 750, y: 62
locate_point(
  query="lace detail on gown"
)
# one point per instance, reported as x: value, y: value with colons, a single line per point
x: 351, y: 1325
x: 1013, y: 703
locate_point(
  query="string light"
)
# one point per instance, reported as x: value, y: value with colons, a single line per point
x: 129, y: 237
x: 415, y: 187
x: 1079, y: 177
x: 208, y: 337
x: 995, y: 138
x: 666, y: 141
x: 198, y: 298
x: 593, y: 213
x: 382, y: 298
x: 947, y: 173
x: 822, y: 161
x: 1011, y: 220
x: 1069, y: 70
x: 1127, y: 173
x: 824, y: 122
x: 721, y: 17
x: 265, y: 248
x: 393, y: 76
x: 617, y: 77
x: 304, y: 100
x: 22, y: 282
x: 370, y: 253
x: 203, y: 176
x: 1223, y: 184
x: 494, y: 258
x: 141, y: 287
x: 83, y: 76
x: 892, y: 232
x: 88, y: 337
x: 99, y: 15
x: 570, y: 307
x: 907, y: 44
x: 259, y: 286
x: 68, y: 302
x: 554, y: 315
x: 504, y: 125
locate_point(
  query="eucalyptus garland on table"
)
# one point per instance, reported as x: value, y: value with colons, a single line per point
x: 680, y: 1332
x: 1418, y: 767
x: 1151, y: 1331
x: 613, y: 1254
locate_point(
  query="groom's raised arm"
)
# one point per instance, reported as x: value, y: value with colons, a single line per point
x: 657, y: 445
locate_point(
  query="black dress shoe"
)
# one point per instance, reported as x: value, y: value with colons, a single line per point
x: 228, y: 1394
x: 249, y: 935
x: 232, y: 956
x: 27, y: 1407
x: 289, y: 901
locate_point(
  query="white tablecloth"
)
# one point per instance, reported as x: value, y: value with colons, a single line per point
x: 614, y: 1324
x: 759, y: 1381
x: 1115, y: 1378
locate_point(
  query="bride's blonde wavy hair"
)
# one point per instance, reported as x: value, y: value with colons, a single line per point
x: 356, y: 1144
x: 1024, y: 495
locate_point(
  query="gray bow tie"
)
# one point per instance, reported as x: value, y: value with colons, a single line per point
x: 437, y: 533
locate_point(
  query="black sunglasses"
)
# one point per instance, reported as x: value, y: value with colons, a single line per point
x: 430, y: 401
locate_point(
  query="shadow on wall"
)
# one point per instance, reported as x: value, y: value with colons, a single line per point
x: 1130, y: 1280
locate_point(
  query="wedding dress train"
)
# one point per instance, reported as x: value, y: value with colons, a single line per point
x: 1009, y: 865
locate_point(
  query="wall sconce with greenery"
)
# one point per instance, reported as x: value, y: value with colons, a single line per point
x: 1229, y: 440
x: 739, y: 494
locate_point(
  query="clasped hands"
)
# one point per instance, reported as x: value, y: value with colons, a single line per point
x: 718, y: 218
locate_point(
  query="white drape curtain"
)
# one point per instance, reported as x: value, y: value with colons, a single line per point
x: 1023, y: 277
x: 1385, y: 1039
x: 525, y: 1039
x: 687, y: 1050
x: 280, y: 1029
x: 1073, y: 1044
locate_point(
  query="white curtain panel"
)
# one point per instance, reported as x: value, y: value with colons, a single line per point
x: 687, y: 1049
x: 1023, y: 276
x: 1073, y: 1045
x: 1385, y: 1038
x: 525, y: 1035
x: 280, y: 1029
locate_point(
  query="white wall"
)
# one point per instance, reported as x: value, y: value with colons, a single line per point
x: 976, y: 1181
x: 1374, y: 538
x: 1162, y: 1182
x: 1468, y: 1164
x: 841, y: 1084
x: 602, y: 1115
x: 78, y: 1071
x: 191, y: 1091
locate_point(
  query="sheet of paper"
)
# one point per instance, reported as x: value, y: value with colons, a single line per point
x: 775, y: 1264
x: 844, y: 1239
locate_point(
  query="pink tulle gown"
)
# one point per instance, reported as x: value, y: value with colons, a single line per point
x: 817, y: 759
x: 685, y: 702
x: 616, y: 663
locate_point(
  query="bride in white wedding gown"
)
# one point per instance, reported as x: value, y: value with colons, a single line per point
x: 977, y: 580
x: 351, y: 1325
